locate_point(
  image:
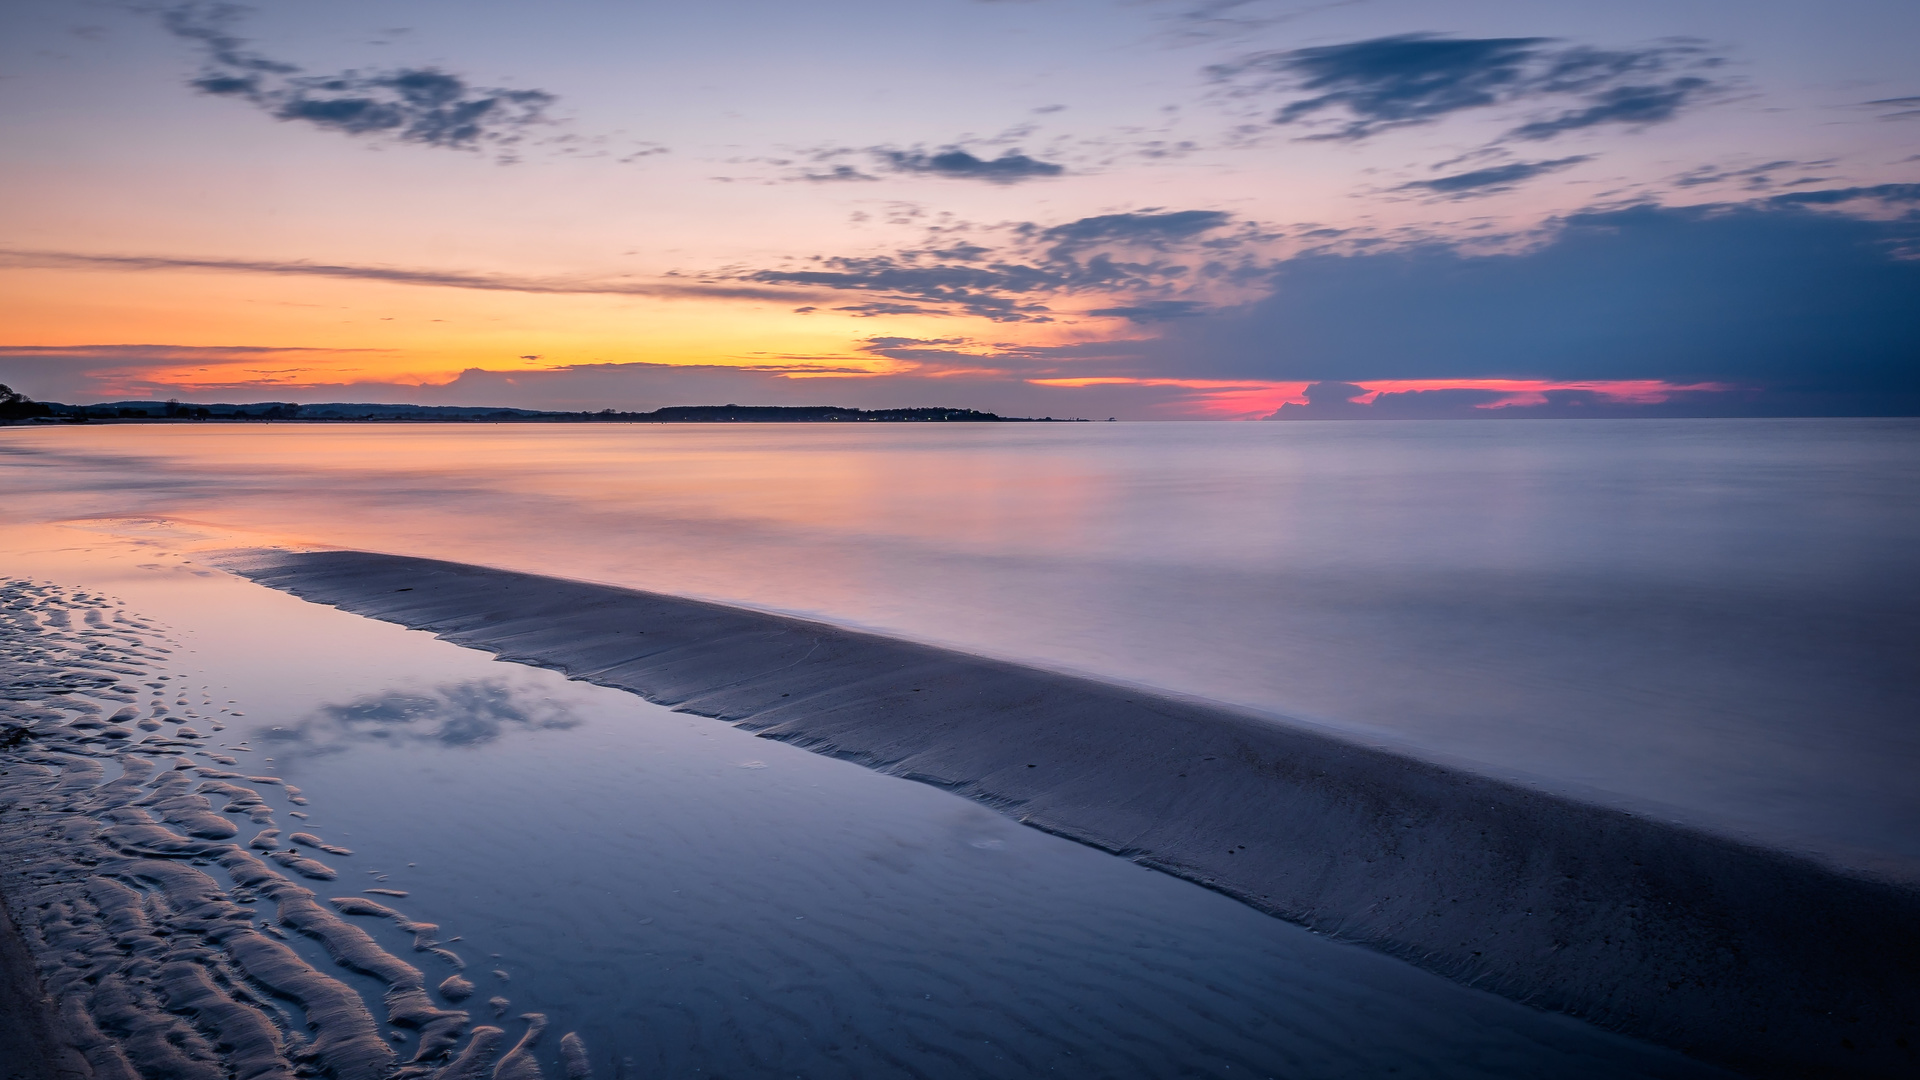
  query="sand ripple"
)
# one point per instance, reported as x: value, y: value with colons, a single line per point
x: 122, y: 875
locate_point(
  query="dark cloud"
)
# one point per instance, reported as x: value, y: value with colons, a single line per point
x: 1333, y: 393
x: 829, y: 165
x: 1393, y: 81
x: 1899, y: 108
x: 1409, y: 79
x: 1153, y: 311
x: 885, y: 307
x: 933, y: 355
x: 1634, y: 106
x: 883, y: 342
x: 1799, y: 307
x: 1788, y: 298
x: 1494, y: 178
x: 1334, y: 401
x: 72, y: 373
x: 837, y: 174
x: 1003, y: 292
x: 963, y: 252
x: 210, y: 25
x: 1008, y: 168
x: 1752, y: 176
x: 1407, y: 404
x: 1125, y: 257
x: 420, y: 105
x: 1893, y: 193
x: 1143, y: 227
x: 450, y: 279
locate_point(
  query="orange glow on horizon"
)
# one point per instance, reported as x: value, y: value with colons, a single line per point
x: 259, y: 334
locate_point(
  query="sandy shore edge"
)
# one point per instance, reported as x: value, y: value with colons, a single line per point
x: 1752, y: 958
x: 32, y: 1046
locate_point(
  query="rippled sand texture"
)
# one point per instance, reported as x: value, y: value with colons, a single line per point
x: 162, y: 940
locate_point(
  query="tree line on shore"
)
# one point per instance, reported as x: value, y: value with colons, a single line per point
x: 17, y: 407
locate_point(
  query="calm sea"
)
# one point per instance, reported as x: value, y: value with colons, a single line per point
x: 1718, y: 621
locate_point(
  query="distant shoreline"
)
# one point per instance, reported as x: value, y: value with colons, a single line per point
x: 175, y: 412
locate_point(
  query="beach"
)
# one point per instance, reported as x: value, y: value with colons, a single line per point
x: 1721, y: 948
x: 413, y: 850
x: 692, y: 834
x: 965, y: 540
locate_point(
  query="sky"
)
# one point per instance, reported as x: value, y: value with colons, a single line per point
x: 1232, y: 209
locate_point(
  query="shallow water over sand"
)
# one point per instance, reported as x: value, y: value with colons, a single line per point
x: 1707, y: 619
x: 693, y: 901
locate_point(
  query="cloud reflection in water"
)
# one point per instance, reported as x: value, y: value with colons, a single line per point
x: 469, y: 713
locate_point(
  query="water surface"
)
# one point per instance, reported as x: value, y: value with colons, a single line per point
x: 694, y: 901
x: 1713, y: 620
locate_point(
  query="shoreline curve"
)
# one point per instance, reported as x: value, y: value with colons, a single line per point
x: 1760, y: 960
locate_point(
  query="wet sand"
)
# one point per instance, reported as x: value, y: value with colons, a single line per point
x: 30, y: 1048
x: 131, y: 949
x: 674, y: 896
x: 1738, y: 954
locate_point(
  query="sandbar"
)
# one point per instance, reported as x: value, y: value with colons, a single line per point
x: 1741, y: 955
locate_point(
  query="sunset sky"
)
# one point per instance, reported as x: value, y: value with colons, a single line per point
x: 1188, y: 208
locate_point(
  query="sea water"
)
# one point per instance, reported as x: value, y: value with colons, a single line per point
x: 692, y: 901
x: 1712, y: 620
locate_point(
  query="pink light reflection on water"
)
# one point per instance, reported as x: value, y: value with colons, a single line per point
x: 1701, y: 615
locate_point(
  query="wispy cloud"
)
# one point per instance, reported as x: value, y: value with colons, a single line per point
x: 1008, y: 168
x: 1407, y: 399
x: 1003, y: 292
x: 1222, y: 20
x: 1898, y: 108
x: 100, y: 372
x: 1131, y: 261
x: 1892, y: 193
x: 1157, y: 228
x: 147, y: 354
x: 1753, y: 177
x: 951, y: 163
x: 1152, y: 311
x: 1491, y: 179
x: 1380, y: 84
x: 834, y: 174
x: 1632, y: 106
x: 449, y: 279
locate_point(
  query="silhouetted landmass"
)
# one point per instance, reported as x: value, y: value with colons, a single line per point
x: 778, y: 414
x: 18, y: 406
x: 337, y: 411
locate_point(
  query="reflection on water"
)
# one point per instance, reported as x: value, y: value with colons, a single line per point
x: 694, y: 901
x: 1716, y: 617
x: 468, y: 713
